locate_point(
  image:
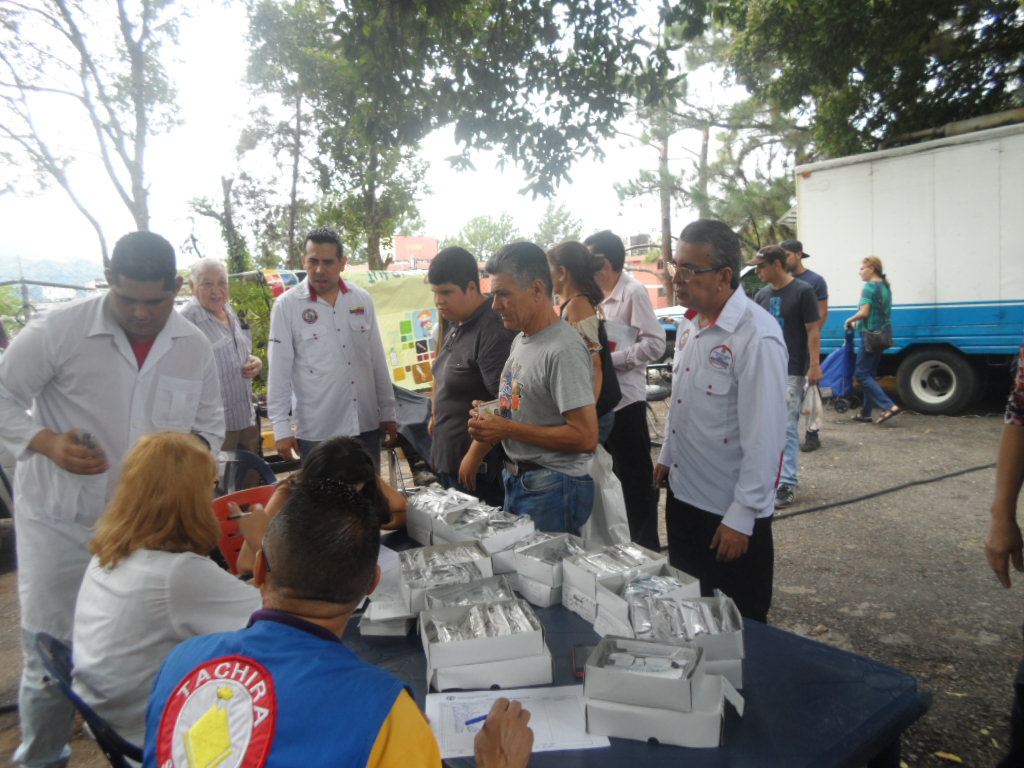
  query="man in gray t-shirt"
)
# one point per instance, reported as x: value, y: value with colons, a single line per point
x: 548, y: 421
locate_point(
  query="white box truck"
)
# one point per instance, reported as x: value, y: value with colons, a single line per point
x: 947, y: 219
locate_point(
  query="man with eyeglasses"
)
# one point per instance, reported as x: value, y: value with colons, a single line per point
x: 726, y: 425
x: 793, y: 304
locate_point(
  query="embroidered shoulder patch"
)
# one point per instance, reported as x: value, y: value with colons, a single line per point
x: 721, y: 357
x: 224, y: 713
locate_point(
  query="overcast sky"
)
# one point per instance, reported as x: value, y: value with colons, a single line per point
x: 189, y: 162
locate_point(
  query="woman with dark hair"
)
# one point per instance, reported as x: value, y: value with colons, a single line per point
x: 150, y: 584
x: 573, y: 270
x: 343, y: 460
x: 875, y: 313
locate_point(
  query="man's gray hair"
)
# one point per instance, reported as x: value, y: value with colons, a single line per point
x: 204, y: 265
x: 524, y: 261
x: 725, y: 245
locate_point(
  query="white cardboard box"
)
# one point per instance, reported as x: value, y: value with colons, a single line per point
x: 537, y: 592
x: 722, y: 646
x: 495, y: 542
x: 579, y: 603
x: 730, y: 669
x: 535, y: 568
x: 613, y: 610
x: 508, y: 673
x: 480, y: 649
x: 610, y: 683
x: 420, y: 524
x: 504, y: 561
x: 497, y: 587
x: 386, y: 627
x: 414, y: 595
x: 699, y: 728
x: 586, y: 580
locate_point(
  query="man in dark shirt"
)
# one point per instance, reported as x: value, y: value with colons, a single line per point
x: 468, y: 366
x: 793, y: 304
x: 795, y: 256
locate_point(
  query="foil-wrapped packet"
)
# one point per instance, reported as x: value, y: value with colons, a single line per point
x: 499, y: 619
x: 637, y: 591
x: 490, y: 590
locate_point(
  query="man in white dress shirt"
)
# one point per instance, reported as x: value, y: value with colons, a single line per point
x: 328, y: 372
x: 627, y: 303
x: 210, y: 311
x: 726, y: 424
x: 97, y: 374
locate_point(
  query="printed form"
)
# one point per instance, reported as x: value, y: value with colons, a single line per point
x: 557, y: 718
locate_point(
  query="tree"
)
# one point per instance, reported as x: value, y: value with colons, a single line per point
x: 62, y: 61
x: 557, y: 224
x: 484, y: 235
x: 747, y: 182
x: 539, y: 79
x: 864, y: 72
x: 237, y: 248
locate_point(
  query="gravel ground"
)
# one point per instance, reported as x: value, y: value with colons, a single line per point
x: 900, y: 577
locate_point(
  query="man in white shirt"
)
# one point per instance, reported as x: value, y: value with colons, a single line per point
x: 328, y: 371
x: 210, y: 311
x: 627, y: 303
x: 726, y: 424
x: 97, y: 374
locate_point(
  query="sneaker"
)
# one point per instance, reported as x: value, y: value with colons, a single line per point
x: 784, y: 496
x: 811, y: 442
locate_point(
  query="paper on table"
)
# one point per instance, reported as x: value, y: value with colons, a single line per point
x: 387, y: 558
x: 387, y: 602
x: 557, y: 717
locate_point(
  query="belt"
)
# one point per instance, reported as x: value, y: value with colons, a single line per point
x: 516, y: 468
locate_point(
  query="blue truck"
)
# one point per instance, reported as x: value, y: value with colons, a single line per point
x: 946, y: 217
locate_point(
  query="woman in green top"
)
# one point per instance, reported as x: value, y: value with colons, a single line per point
x: 875, y: 312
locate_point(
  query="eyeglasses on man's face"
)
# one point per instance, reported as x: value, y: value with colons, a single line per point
x: 686, y: 272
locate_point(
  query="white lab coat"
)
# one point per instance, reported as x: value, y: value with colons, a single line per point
x: 75, y: 369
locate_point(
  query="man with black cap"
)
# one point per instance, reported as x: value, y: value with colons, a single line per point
x: 795, y: 256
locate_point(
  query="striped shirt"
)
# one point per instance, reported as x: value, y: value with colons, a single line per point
x: 231, y: 348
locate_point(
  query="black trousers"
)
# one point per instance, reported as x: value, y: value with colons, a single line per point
x: 630, y: 446
x: 747, y: 580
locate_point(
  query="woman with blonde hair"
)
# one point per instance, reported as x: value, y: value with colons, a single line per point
x: 150, y: 584
x: 874, y: 314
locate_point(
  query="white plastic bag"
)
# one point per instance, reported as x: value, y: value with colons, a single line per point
x: 607, y: 523
x: 813, y: 409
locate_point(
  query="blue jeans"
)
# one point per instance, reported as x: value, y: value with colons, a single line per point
x: 867, y: 368
x: 791, y: 455
x: 558, y: 503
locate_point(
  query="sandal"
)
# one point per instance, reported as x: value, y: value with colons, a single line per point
x: 859, y: 417
x: 894, y: 411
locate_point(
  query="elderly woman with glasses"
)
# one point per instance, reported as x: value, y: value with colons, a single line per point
x: 150, y: 584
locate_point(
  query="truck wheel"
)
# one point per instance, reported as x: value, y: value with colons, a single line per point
x: 936, y: 380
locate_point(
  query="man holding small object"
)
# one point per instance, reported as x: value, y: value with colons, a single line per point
x: 98, y: 374
x: 548, y: 422
x: 328, y: 372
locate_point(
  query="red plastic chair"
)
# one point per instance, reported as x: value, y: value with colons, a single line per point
x: 231, y: 540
